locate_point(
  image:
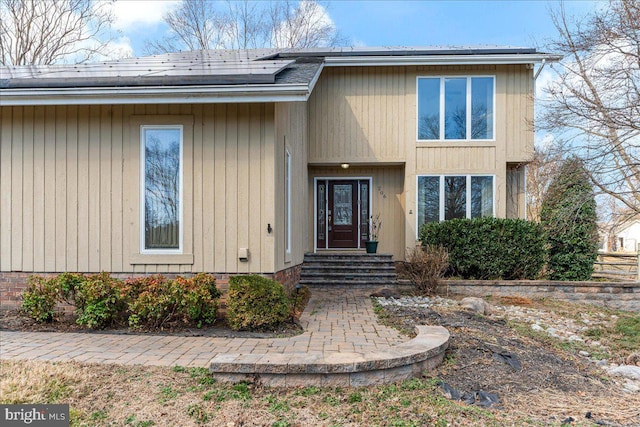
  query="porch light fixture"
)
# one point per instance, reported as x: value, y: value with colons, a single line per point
x: 344, y: 165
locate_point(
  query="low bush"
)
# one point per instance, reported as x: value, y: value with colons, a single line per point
x: 40, y: 298
x: 424, y: 267
x: 99, y: 301
x: 154, y: 301
x: 255, y: 302
x: 489, y: 248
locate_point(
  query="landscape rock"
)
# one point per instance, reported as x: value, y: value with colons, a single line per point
x: 626, y: 371
x: 386, y: 293
x: 631, y: 386
x: 476, y: 305
x: 583, y: 353
x: 633, y: 359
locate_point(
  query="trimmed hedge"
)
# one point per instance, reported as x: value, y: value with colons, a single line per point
x: 102, y: 300
x: 255, y: 302
x: 489, y: 248
x: 154, y: 301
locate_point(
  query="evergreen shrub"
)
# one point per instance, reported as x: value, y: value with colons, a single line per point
x: 489, y: 248
x: 255, y: 302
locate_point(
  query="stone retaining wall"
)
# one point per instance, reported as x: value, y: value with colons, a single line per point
x: 617, y: 295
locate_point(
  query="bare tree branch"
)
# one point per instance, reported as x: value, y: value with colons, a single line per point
x: 246, y: 24
x: 45, y: 32
x: 594, y: 107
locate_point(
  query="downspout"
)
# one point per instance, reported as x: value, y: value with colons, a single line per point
x: 542, y: 63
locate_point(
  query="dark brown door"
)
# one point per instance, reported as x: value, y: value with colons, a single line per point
x: 342, y: 214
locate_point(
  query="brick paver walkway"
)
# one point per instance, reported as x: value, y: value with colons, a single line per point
x: 335, y: 320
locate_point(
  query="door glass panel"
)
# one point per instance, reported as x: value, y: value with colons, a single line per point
x: 343, y: 204
x: 364, y: 211
x: 321, y: 213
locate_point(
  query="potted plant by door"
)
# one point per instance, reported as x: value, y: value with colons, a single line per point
x: 374, y: 228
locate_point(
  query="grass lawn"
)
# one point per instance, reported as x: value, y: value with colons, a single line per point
x: 113, y: 395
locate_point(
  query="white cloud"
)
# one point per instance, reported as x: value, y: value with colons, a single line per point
x: 129, y: 13
x: 546, y: 78
x: 544, y: 141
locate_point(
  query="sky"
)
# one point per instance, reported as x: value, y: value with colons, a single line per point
x: 392, y: 23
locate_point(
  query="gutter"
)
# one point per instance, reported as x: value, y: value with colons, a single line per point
x: 155, y: 95
x: 373, y: 61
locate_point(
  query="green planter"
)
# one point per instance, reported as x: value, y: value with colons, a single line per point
x: 372, y: 246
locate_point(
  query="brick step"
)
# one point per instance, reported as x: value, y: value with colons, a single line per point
x: 348, y: 257
x: 354, y: 282
x: 346, y: 275
x: 346, y: 268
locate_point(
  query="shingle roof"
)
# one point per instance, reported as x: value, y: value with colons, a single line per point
x: 217, y: 67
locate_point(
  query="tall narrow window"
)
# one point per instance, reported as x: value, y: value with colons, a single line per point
x: 287, y: 203
x: 161, y: 169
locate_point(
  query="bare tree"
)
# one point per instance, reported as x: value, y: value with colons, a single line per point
x: 594, y: 107
x: 540, y: 172
x: 246, y: 24
x: 194, y: 25
x: 304, y: 25
x: 36, y: 32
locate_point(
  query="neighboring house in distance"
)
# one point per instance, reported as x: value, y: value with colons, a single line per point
x: 241, y: 161
x: 623, y: 236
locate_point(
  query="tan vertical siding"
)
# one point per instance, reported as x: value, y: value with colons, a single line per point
x: 291, y: 133
x: 70, y: 188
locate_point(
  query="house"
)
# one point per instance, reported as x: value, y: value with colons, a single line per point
x: 622, y: 234
x: 243, y: 161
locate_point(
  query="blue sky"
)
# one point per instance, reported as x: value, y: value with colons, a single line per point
x: 395, y: 23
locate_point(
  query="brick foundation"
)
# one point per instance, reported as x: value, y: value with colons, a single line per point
x: 12, y: 284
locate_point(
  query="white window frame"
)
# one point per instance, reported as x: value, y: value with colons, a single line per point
x: 442, y: 108
x: 287, y: 165
x: 143, y: 143
x: 441, y: 194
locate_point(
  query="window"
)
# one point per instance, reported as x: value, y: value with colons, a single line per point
x: 287, y: 203
x: 161, y: 177
x: 443, y: 197
x: 455, y: 108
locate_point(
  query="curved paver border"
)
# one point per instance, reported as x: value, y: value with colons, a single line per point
x: 344, y: 369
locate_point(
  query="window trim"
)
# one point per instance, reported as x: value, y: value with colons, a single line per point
x: 441, y: 189
x: 288, y: 227
x: 442, y: 107
x: 143, y: 141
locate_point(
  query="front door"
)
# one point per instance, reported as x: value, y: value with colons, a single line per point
x: 342, y: 213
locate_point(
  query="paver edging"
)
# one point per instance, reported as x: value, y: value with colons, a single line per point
x: 403, y: 361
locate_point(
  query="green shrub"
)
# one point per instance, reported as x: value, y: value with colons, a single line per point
x: 154, y: 301
x: 568, y: 214
x: 255, y: 302
x: 489, y: 248
x: 98, y: 301
x: 67, y: 284
x: 39, y: 299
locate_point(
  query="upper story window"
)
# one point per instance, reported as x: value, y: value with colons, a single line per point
x: 443, y: 197
x: 456, y: 108
x: 161, y: 170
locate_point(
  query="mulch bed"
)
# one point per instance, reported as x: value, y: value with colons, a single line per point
x: 14, y: 320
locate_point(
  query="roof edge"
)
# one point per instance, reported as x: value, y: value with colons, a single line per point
x: 518, y: 58
x: 154, y: 95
